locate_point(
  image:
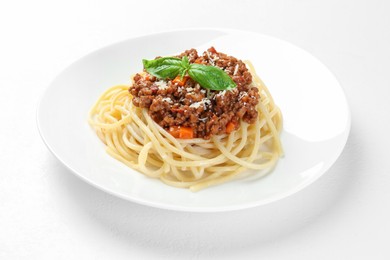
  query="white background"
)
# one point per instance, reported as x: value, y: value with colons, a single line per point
x: 48, y: 213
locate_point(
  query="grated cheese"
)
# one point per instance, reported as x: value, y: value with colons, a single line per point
x: 210, y: 58
x: 206, y: 101
x: 203, y: 102
x: 161, y: 84
x: 169, y: 100
x: 220, y: 94
x: 242, y: 94
x: 196, y: 104
x: 235, y: 70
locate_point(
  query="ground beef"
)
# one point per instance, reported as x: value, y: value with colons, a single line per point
x: 207, y: 112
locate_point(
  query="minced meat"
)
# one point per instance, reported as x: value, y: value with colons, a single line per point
x: 207, y: 112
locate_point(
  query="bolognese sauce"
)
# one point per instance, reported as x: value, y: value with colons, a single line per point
x: 183, y: 103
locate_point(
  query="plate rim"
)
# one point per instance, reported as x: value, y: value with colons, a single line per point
x: 184, y: 208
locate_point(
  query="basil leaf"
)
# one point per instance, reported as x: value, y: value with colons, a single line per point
x: 211, y: 77
x: 164, y: 68
x: 185, y: 63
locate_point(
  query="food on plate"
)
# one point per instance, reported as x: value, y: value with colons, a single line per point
x: 192, y: 120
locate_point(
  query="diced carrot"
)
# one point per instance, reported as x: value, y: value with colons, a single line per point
x: 147, y: 77
x: 180, y: 81
x: 177, y: 110
x: 186, y: 133
x: 230, y: 127
x: 199, y: 61
x: 174, y: 131
x: 181, y: 132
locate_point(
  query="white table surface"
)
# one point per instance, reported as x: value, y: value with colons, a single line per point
x: 48, y: 213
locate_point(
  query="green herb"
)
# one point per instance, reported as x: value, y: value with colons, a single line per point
x: 164, y: 67
x: 209, y: 77
x: 186, y: 65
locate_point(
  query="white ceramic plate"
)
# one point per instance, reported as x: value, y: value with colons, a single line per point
x: 316, y: 118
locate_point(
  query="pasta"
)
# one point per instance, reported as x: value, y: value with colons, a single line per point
x: 134, y: 138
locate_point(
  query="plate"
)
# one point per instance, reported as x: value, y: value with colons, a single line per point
x: 314, y: 107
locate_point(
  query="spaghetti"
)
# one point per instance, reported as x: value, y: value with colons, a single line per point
x: 134, y: 138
